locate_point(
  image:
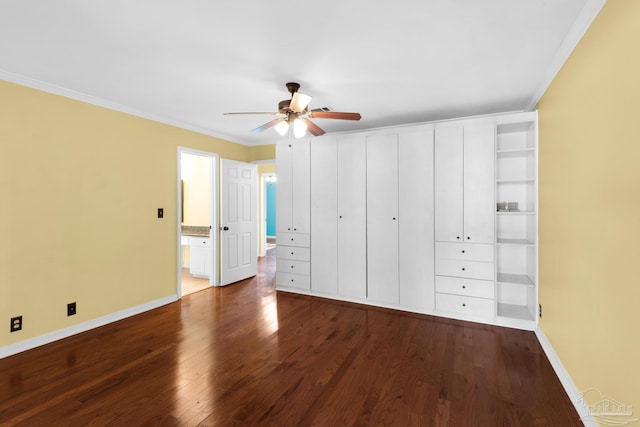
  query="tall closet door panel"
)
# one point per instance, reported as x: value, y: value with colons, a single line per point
x: 284, y: 189
x: 352, y: 216
x: 301, y: 204
x: 382, y: 218
x: 449, y: 183
x: 479, y: 205
x: 324, y: 221
x: 416, y: 213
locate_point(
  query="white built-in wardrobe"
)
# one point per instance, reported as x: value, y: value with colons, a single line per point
x: 437, y: 218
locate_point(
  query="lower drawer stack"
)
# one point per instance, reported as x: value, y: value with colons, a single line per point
x: 465, y: 279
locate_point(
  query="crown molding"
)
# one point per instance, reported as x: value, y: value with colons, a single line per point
x: 585, y: 19
x: 101, y: 102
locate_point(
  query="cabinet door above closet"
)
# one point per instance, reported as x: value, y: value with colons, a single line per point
x: 464, y: 176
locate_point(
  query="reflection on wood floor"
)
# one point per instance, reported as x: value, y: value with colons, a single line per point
x: 245, y: 354
x: 192, y: 284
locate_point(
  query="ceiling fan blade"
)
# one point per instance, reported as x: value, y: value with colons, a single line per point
x: 312, y: 127
x: 268, y: 125
x: 334, y: 115
x: 299, y: 102
x: 271, y: 113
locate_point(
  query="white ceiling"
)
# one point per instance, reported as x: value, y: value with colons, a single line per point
x: 187, y: 62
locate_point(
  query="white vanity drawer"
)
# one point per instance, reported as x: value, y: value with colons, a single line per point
x: 467, y: 251
x: 293, y: 252
x: 199, y: 241
x: 466, y: 287
x: 295, y: 267
x: 294, y: 239
x: 467, y: 269
x: 289, y: 280
x: 458, y: 304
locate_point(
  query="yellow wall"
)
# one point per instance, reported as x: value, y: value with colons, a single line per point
x: 590, y: 207
x: 195, y: 172
x: 80, y: 187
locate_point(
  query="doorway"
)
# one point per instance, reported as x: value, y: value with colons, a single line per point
x: 197, y: 220
x: 268, y: 212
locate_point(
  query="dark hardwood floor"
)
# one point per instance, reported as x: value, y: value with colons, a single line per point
x: 247, y: 355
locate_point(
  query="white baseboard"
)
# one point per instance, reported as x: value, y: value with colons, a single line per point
x: 28, y: 344
x: 564, y: 377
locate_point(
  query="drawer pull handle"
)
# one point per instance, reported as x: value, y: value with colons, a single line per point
x: 292, y: 266
x: 291, y: 253
x: 463, y: 268
x: 464, y: 305
x: 295, y: 229
x: 458, y: 237
x: 288, y: 229
x: 292, y: 280
x: 468, y: 238
x: 462, y: 251
x: 292, y: 239
x: 464, y: 287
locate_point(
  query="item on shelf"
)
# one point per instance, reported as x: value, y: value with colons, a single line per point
x: 512, y: 206
x: 502, y: 206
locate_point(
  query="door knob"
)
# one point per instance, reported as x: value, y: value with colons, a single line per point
x: 225, y: 228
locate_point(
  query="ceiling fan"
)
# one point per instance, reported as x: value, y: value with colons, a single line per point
x: 294, y: 113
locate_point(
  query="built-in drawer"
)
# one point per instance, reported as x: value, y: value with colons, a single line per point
x: 466, y: 251
x: 200, y: 241
x: 467, y: 269
x: 290, y: 280
x: 293, y: 252
x: 295, y: 267
x: 466, y: 287
x: 294, y: 239
x: 459, y: 304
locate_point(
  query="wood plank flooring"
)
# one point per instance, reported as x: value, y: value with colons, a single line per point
x: 248, y: 355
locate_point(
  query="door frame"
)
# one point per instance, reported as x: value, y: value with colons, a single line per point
x: 214, y: 235
x: 263, y: 211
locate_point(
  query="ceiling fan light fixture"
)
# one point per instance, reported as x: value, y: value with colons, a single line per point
x: 299, y: 101
x: 299, y: 128
x: 282, y: 128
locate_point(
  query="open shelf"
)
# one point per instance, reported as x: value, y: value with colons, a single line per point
x: 514, y: 311
x: 515, y: 180
x: 516, y: 152
x: 515, y: 213
x: 526, y: 242
x: 514, y: 279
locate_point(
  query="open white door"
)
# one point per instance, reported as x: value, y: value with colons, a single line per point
x: 238, y: 221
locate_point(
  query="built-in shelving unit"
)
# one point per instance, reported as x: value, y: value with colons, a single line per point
x: 517, y: 224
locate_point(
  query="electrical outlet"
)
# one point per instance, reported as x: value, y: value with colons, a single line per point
x: 160, y: 213
x: 16, y: 324
x: 540, y: 310
x: 71, y: 309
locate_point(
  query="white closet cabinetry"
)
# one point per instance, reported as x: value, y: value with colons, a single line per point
x: 352, y: 216
x: 293, y: 191
x: 382, y: 219
x: 339, y: 220
x: 464, y: 176
x: 293, y: 223
x: 517, y: 226
x: 464, y: 218
x: 416, y: 213
x: 400, y: 237
x: 324, y: 223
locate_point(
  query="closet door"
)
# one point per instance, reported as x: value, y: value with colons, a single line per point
x: 301, y: 203
x: 284, y: 189
x: 416, y: 213
x: 352, y: 216
x: 449, y: 183
x: 382, y: 218
x: 479, y: 206
x: 324, y: 222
